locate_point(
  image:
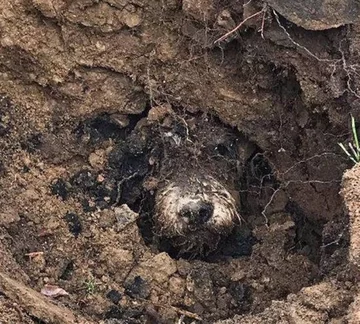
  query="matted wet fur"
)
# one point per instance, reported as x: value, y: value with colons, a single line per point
x: 198, y: 169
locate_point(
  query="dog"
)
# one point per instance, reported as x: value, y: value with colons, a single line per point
x: 197, y: 162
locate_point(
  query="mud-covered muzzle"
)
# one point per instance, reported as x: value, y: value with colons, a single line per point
x: 198, y: 209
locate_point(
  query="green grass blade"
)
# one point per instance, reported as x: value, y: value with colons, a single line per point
x: 347, y: 152
x: 353, y: 127
x: 353, y: 151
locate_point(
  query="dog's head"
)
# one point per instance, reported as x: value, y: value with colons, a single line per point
x: 196, y: 199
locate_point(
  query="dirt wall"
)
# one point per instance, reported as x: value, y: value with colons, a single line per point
x: 78, y: 76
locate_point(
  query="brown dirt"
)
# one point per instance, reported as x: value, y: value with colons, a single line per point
x: 78, y: 78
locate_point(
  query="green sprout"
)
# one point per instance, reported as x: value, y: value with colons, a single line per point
x: 354, y: 150
x: 90, y: 286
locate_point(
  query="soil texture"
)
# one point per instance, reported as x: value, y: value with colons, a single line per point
x: 104, y: 101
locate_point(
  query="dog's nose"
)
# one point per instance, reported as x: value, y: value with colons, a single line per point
x: 197, y: 213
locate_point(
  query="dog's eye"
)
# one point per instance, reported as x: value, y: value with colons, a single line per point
x: 221, y: 149
x: 226, y: 149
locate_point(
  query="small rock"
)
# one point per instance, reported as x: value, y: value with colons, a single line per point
x: 60, y: 188
x: 324, y: 296
x: 46, y: 7
x: 238, y: 275
x: 21, y: 182
x: 138, y: 288
x: 177, y: 286
x: 300, y: 314
x: 158, y: 113
x: 30, y: 195
x: 121, y: 120
x: 114, y: 296
x: 6, y: 42
x: 74, y: 223
x: 118, y: 262
x: 8, y: 216
x: 132, y: 17
x: 37, y: 260
x: 184, y: 267
x: 105, y: 279
x: 106, y: 218
x: 159, y: 268
x: 201, y: 10
x: 97, y: 159
x: 124, y: 216
x: 26, y: 161
x: 188, y: 301
x: 150, y: 183
x: 100, y: 178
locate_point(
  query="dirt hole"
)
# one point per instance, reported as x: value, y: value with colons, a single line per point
x: 152, y: 149
x: 275, y: 250
x: 276, y: 238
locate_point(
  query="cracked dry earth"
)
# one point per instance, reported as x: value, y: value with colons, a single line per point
x: 78, y: 82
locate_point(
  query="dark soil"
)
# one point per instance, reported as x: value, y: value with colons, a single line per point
x: 85, y: 86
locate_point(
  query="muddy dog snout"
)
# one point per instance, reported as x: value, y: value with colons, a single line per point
x: 197, y: 212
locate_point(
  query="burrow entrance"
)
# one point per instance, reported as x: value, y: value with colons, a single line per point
x: 276, y: 240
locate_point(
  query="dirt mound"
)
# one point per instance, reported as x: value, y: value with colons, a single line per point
x: 79, y: 168
x: 317, y: 15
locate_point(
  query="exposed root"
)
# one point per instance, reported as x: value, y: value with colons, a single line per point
x: 350, y: 70
x: 263, y: 10
x: 285, y: 184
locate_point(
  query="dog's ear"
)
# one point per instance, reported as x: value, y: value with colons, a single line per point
x: 130, y: 156
x: 129, y: 165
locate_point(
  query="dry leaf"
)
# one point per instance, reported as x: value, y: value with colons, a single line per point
x: 53, y: 291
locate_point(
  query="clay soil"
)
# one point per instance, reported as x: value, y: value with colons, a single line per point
x: 79, y: 78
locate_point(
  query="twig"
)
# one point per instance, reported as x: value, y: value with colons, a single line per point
x: 120, y: 183
x: 32, y: 255
x: 238, y: 26
x: 337, y: 240
x: 263, y: 24
x: 268, y: 204
x: 176, y: 309
x: 346, y: 68
x: 181, y: 319
x: 184, y: 312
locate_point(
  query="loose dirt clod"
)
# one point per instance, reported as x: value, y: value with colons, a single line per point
x: 318, y: 15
